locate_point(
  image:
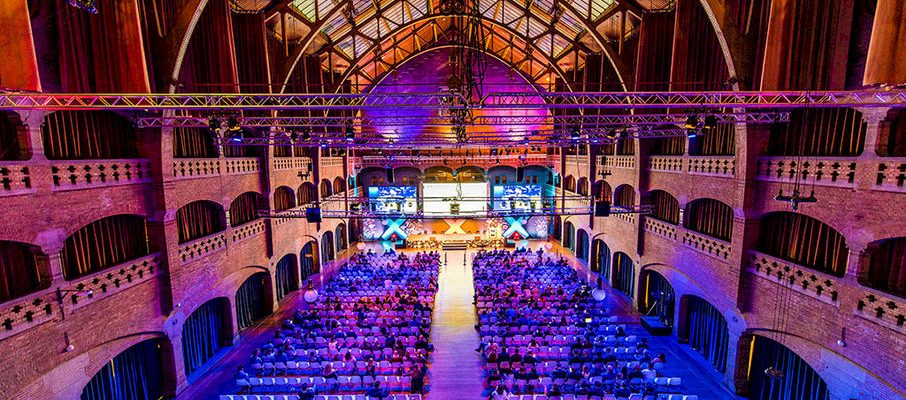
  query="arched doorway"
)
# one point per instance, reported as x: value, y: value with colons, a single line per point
x: 205, y: 332
x: 286, y: 276
x: 569, y: 236
x: 705, y: 329
x: 341, y: 238
x: 252, y: 300
x: 327, y: 252
x: 136, y: 373
x: 582, y: 245
x: 800, y: 380
x: 658, y: 299
x: 308, y: 261
x: 623, y: 274
x: 600, y: 259
x: 556, y: 228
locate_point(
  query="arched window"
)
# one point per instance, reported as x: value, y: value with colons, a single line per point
x: 103, y: 244
x: 556, y: 226
x: 658, y: 298
x: 83, y: 135
x: 11, y: 146
x: 244, y: 208
x: 892, y: 140
x: 342, y: 238
x: 710, y: 217
x: 339, y: 185
x: 666, y: 207
x: 306, y: 194
x: 800, y: 380
x: 199, y: 219
x: 193, y: 143
x: 570, y: 183
x: 327, y: 252
x: 582, y: 245
x: 887, y: 266
x: 24, y: 269
x: 253, y: 300
x: 623, y: 274
x: 833, y: 132
x: 287, y: 276
x: 309, y: 264
x: 205, y: 331
x: 668, y: 146
x: 624, y: 196
x: 582, y: 186
x: 569, y: 237
x: 326, y: 189
x: 284, y: 199
x: 717, y: 142
x: 603, y: 191
x: 706, y: 331
x: 136, y: 373
x: 804, y: 241
x: 600, y: 259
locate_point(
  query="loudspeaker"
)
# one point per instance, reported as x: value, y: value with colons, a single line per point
x: 313, y: 214
x: 602, y: 208
x: 389, y: 175
x: 520, y: 174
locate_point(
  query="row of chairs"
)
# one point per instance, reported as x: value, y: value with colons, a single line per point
x: 345, y: 383
x: 319, y: 397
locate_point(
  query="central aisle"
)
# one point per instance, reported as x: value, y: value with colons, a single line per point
x: 455, y: 369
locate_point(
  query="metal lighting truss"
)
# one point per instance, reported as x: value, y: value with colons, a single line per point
x: 521, y: 100
x: 480, y: 120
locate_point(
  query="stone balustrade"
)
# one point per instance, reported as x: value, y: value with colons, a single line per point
x: 666, y: 164
x: 202, y: 246
x: 32, y: 310
x: 82, y: 174
x: 291, y: 163
x: 707, y: 245
x: 891, y: 175
x: 15, y: 178
x: 660, y: 228
x: 719, y: 166
x: 804, y: 280
x: 189, y: 168
x: 830, y: 171
x: 622, y: 162
x: 247, y: 230
x: 883, y: 309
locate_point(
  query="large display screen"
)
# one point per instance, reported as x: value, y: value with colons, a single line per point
x: 455, y: 199
x: 517, y: 198
x: 393, y: 200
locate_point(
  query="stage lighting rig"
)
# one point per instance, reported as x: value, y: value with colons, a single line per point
x: 795, y: 198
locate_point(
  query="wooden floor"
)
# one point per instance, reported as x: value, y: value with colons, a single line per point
x: 455, y: 368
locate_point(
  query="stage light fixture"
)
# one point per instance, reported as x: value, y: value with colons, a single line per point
x: 306, y: 134
x: 236, y: 136
x: 233, y: 125
x: 710, y: 123
x: 293, y: 136
x: 574, y: 132
x: 350, y: 133
x: 214, y: 124
x: 691, y: 133
x: 691, y: 122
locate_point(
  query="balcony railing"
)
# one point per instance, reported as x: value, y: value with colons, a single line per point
x: 830, y: 171
x: 719, y: 166
x: 291, y: 163
x: 891, y: 175
x: 797, y: 277
x: 660, y: 228
x: 883, y: 309
x: 82, y: 174
x: 707, y: 245
x: 621, y: 162
x: 202, y: 246
x: 666, y: 164
x: 246, y: 231
x: 189, y: 168
x: 581, y: 161
x: 15, y: 178
x: 32, y: 310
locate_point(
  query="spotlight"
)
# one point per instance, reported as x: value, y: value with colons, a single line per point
x: 692, y: 122
x: 236, y: 137
x: 214, y: 124
x: 574, y: 132
x: 691, y: 133
x: 350, y: 133
x: 293, y: 136
x: 306, y: 134
x: 611, y: 134
x: 710, y: 123
x: 233, y: 125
